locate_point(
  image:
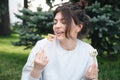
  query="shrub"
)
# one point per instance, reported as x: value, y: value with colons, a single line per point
x: 104, y: 30
x: 35, y: 24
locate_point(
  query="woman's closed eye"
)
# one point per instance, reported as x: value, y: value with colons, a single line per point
x: 54, y: 23
x: 63, y: 22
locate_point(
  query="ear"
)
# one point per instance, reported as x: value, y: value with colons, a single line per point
x: 80, y: 26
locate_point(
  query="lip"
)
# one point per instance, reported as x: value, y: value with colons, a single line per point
x: 59, y: 33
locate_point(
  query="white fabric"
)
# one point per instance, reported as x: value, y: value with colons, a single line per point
x: 62, y: 64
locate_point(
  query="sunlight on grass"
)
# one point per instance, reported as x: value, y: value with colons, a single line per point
x: 7, y: 47
x: 12, y: 58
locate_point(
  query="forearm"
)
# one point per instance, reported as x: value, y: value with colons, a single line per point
x: 29, y: 74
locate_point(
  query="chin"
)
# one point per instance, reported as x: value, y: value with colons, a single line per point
x: 60, y: 38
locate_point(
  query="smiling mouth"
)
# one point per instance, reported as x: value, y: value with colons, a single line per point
x: 59, y: 33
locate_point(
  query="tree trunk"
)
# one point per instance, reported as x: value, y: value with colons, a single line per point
x: 25, y: 6
x: 95, y: 41
x: 25, y: 3
x: 4, y: 19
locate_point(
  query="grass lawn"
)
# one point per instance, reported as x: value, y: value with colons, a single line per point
x: 109, y: 69
x: 13, y: 58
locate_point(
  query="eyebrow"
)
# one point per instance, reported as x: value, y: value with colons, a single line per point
x: 60, y: 19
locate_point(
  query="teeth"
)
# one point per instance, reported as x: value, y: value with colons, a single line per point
x: 59, y: 32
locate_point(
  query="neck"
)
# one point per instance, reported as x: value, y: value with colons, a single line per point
x: 68, y: 44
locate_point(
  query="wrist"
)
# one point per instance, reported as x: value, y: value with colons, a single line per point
x: 35, y: 73
x: 86, y: 78
x: 90, y: 79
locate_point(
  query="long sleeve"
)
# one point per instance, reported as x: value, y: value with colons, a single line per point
x: 30, y: 63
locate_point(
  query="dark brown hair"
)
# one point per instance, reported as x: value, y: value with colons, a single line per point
x: 76, y: 12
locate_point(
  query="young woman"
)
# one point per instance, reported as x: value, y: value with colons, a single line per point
x: 66, y: 57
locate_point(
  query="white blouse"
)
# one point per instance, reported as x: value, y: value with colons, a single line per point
x: 62, y: 64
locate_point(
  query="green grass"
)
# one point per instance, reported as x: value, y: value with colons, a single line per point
x: 109, y: 69
x: 12, y: 60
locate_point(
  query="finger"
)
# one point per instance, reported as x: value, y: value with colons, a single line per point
x: 45, y: 60
x: 37, y: 55
x: 94, y: 71
x: 95, y: 68
x: 43, y: 57
x: 90, y: 69
x: 41, y: 54
x: 42, y: 50
x: 94, y: 65
x: 88, y: 72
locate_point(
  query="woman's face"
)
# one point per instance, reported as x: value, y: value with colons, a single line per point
x: 59, y: 28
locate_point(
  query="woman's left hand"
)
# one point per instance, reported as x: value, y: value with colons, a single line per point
x: 91, y: 73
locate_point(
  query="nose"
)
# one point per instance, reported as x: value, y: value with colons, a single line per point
x: 58, y: 25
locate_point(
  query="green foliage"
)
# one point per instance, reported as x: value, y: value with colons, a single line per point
x: 104, y: 27
x: 35, y: 24
x: 105, y: 30
x: 49, y: 3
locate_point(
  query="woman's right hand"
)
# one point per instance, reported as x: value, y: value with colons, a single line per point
x: 40, y: 62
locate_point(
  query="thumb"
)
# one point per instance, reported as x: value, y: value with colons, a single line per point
x: 42, y: 50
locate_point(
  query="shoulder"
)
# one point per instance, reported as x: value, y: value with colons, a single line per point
x: 40, y: 44
x: 86, y: 45
x: 42, y: 41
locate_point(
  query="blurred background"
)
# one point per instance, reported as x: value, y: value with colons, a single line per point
x: 23, y: 22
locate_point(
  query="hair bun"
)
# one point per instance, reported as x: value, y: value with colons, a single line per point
x: 82, y: 3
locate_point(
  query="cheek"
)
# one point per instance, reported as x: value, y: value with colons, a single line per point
x: 65, y: 27
x: 53, y: 27
x: 73, y: 32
